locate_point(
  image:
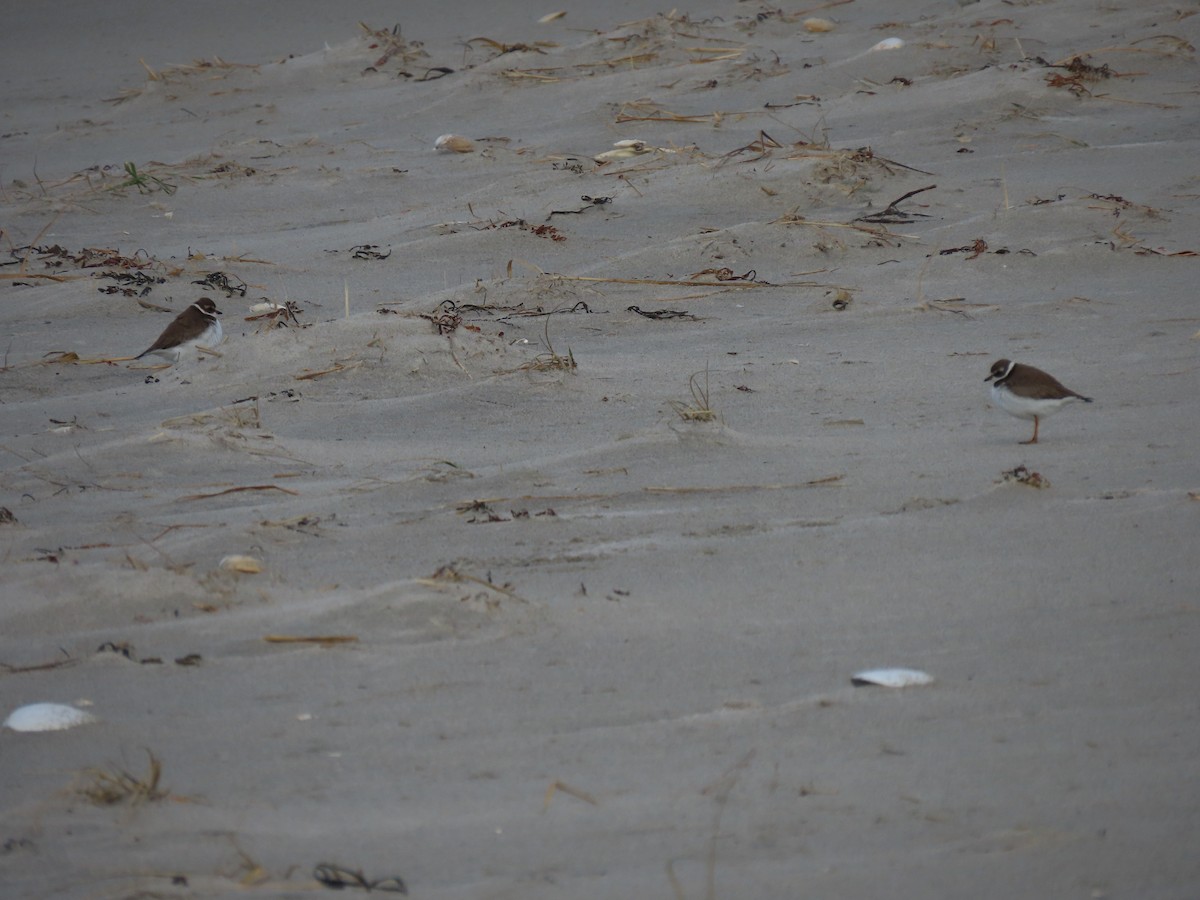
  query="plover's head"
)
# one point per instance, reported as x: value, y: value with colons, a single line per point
x: 999, y: 369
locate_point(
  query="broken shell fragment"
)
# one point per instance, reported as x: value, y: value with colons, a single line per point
x: 893, y: 678
x: 47, y: 717
x: 624, y: 150
x: 888, y: 44
x: 246, y: 565
x: 453, y: 143
x: 818, y: 25
x: 627, y: 149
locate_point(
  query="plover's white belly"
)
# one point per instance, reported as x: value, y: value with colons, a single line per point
x: 209, y: 337
x: 1026, y: 407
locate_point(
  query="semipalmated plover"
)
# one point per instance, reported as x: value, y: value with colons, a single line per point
x: 1028, y: 393
x: 197, y: 325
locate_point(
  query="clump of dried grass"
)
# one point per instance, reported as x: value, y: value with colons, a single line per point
x: 700, y: 409
x: 112, y: 787
x: 550, y: 361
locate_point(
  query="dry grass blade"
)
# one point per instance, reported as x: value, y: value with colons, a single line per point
x: 880, y: 234
x: 502, y: 48
x: 59, y: 356
x: 760, y: 146
x: 114, y: 786
x: 336, y: 367
x: 21, y: 276
x: 38, y: 667
x: 535, y: 75
x: 722, y: 54
x: 557, y: 785
x: 687, y: 282
x: 629, y: 61
x: 731, y: 488
x: 647, y: 111
x: 1172, y: 42
x: 324, y: 640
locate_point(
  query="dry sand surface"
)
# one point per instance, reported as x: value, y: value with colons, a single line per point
x: 600, y: 480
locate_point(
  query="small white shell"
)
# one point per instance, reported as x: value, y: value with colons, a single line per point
x: 893, y: 678
x: 47, y: 717
x: 624, y: 150
x: 453, y: 143
x: 888, y: 44
x: 238, y: 562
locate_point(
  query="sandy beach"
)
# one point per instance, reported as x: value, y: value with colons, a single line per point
x: 524, y: 534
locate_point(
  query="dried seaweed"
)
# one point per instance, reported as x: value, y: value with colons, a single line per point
x: 893, y: 215
x: 132, y: 284
x: 57, y: 257
x: 450, y: 575
x: 368, y: 251
x: 660, y: 314
x: 589, y: 203
x: 482, y: 512
x: 976, y: 248
x: 230, y: 284
x: 337, y: 877
x: 236, y: 490
x: 1022, y: 475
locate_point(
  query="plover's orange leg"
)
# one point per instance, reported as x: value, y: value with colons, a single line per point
x: 1033, y: 440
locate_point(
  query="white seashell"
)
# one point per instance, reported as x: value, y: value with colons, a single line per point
x: 888, y: 44
x: 266, y: 306
x: 550, y: 17
x: 893, y: 678
x: 237, y: 562
x: 453, y: 143
x: 817, y: 25
x: 624, y: 150
x: 47, y: 717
